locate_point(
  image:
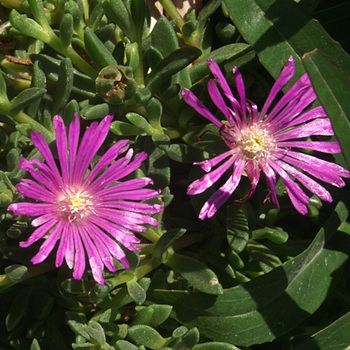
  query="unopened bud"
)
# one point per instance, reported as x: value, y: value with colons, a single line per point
x: 116, y: 84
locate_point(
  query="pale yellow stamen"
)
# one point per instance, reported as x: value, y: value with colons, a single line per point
x: 76, y: 205
x: 256, y: 143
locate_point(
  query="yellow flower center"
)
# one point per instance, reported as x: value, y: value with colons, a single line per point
x: 256, y: 143
x: 76, y: 205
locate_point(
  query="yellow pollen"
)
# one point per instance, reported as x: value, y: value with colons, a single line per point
x: 256, y: 143
x: 76, y: 205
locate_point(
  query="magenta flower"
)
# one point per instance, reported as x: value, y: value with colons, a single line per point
x: 269, y: 141
x: 86, y: 209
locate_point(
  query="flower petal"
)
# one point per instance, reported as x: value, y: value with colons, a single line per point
x: 320, y: 146
x: 286, y: 74
x: 222, y: 195
x: 61, y: 144
x: 202, y: 184
x: 48, y: 245
x: 192, y: 100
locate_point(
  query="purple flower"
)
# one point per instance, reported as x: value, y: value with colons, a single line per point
x: 86, y: 209
x: 269, y: 141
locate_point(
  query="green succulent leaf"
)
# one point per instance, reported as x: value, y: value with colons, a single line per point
x: 271, y: 305
x: 335, y: 336
x: 161, y: 75
x: 25, y: 98
x: 277, y: 30
x: 331, y: 86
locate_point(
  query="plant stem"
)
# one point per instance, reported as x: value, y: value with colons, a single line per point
x: 172, y: 12
x: 23, y: 118
x: 15, y: 4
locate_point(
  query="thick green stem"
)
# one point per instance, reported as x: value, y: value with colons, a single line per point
x: 145, y: 267
x: 14, y: 4
x: 172, y: 11
x: 79, y: 62
x: 23, y: 118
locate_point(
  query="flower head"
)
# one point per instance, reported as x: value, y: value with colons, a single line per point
x: 87, y: 210
x: 268, y: 142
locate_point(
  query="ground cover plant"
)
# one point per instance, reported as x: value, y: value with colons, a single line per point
x: 174, y: 174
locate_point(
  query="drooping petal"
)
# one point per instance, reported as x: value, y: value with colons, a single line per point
x: 49, y: 244
x: 202, y: 184
x: 215, y: 70
x: 79, y: 256
x: 271, y: 182
x: 38, y: 234
x: 297, y: 196
x: 208, y: 164
x: 223, y: 193
x: 306, y: 181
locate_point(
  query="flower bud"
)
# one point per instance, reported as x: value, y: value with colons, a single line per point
x: 116, y: 84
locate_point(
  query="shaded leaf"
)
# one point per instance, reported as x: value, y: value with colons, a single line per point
x: 146, y: 335
x: 268, y: 306
x: 195, y: 272
x: 25, y: 98
x: 173, y: 63
x: 334, y: 337
x: 279, y: 29
x: 332, y: 88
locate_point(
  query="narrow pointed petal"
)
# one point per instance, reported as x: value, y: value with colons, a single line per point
x: 220, y: 197
x: 271, y: 182
x: 62, y: 147
x: 38, y: 234
x: 319, y: 127
x: 31, y: 189
x: 331, y: 147
x: 106, y: 159
x: 297, y: 196
x: 79, y: 256
x: 208, y: 164
x: 42, y: 146
x: 284, y: 77
x: 202, y: 184
x: 199, y: 107
x: 219, y: 102
x: 31, y: 209
x: 241, y: 91
x: 49, y: 244
x: 73, y: 140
